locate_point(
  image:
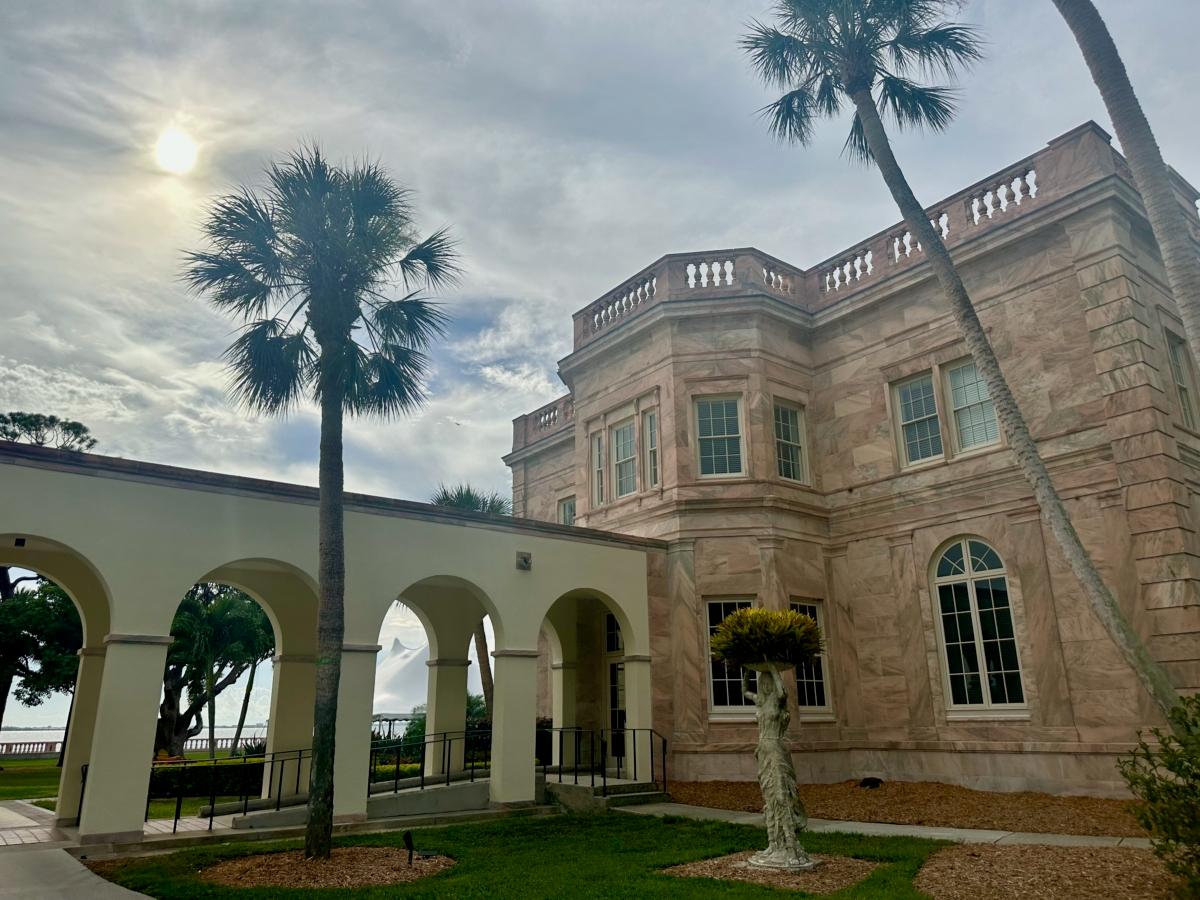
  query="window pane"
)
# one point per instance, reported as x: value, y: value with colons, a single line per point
x: 810, y: 677
x: 720, y: 444
x: 726, y: 679
x: 951, y: 562
x: 984, y: 558
x: 788, y: 452
x: 974, y: 414
x: 566, y: 511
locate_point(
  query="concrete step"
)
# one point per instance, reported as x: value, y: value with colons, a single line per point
x: 639, y: 798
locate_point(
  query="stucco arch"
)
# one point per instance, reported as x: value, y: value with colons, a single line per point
x: 635, y: 637
x: 449, y: 607
x: 71, y: 571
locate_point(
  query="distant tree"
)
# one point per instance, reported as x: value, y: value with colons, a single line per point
x: 770, y: 642
x: 873, y: 56
x: 326, y: 270
x: 463, y: 496
x: 218, y: 634
x: 414, y: 728
x: 259, y: 646
x: 1150, y: 171
x: 45, y: 431
x: 40, y: 635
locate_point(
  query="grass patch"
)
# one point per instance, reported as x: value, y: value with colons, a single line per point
x: 25, y: 779
x: 604, y: 855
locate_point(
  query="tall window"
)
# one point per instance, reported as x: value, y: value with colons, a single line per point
x: 917, y: 408
x: 624, y: 458
x: 789, y: 449
x: 650, y: 438
x: 613, y: 642
x: 811, y: 694
x: 974, y: 414
x: 982, y: 666
x: 727, y: 679
x: 1184, y: 377
x: 598, y: 470
x: 566, y: 511
x: 719, y: 437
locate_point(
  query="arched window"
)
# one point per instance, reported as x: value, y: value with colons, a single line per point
x: 979, y: 646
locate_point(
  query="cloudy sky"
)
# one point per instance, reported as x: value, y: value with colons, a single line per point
x: 567, y: 144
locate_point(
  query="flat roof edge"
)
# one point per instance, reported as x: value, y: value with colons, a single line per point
x: 96, y: 465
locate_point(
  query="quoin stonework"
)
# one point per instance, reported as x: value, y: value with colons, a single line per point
x: 819, y: 438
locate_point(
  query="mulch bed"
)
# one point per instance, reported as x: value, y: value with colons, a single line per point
x: 347, y: 867
x: 1027, y: 872
x: 929, y: 803
x: 833, y: 874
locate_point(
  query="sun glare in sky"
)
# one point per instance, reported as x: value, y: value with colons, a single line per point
x: 175, y: 151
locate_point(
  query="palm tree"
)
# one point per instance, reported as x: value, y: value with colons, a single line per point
x: 326, y: 271
x: 1150, y: 172
x: 871, y: 54
x: 464, y: 496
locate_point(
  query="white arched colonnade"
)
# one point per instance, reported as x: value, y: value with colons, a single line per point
x: 126, y: 540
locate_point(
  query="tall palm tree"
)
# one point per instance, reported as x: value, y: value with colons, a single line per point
x: 871, y: 54
x: 464, y: 496
x: 326, y: 271
x: 1150, y: 172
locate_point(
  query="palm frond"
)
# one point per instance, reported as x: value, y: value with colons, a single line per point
x: 410, y: 321
x: 938, y: 51
x: 856, y: 147
x: 912, y: 105
x: 434, y: 261
x: 270, y: 368
x: 790, y: 118
x: 389, y: 382
x: 464, y: 496
x: 777, y: 57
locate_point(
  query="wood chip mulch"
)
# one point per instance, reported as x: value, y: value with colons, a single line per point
x: 930, y: 803
x: 347, y: 867
x: 1027, y: 872
x: 833, y: 874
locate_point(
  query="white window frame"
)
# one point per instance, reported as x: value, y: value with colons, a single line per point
x: 987, y: 708
x: 618, y: 461
x: 802, y: 605
x: 955, y: 428
x: 799, y: 443
x: 650, y: 442
x: 745, y: 709
x: 1183, y: 374
x: 899, y: 422
x: 597, y: 459
x: 736, y: 399
x: 563, y: 504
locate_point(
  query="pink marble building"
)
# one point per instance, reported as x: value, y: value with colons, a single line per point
x: 819, y: 438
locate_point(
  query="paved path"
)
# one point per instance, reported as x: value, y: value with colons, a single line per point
x: 53, y: 875
x: 961, y: 835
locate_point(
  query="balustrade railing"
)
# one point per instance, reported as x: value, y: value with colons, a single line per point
x: 592, y: 756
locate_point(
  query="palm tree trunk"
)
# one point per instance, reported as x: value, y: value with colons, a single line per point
x: 209, y: 683
x: 318, y: 836
x: 6, y: 680
x: 1016, y: 430
x: 237, y: 734
x: 485, y: 667
x: 1150, y: 173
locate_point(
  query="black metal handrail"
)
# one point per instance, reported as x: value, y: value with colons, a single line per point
x: 440, y: 746
x: 612, y: 746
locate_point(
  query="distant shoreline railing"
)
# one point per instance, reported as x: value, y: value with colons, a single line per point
x: 48, y: 748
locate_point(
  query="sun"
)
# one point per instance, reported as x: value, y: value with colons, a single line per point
x: 175, y: 151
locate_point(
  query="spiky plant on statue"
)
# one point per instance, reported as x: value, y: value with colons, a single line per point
x: 769, y: 642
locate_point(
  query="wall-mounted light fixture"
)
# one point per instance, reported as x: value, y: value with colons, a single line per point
x: 524, y: 561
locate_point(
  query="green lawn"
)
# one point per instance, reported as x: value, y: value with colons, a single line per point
x: 24, y: 779
x: 161, y: 809
x: 605, y: 855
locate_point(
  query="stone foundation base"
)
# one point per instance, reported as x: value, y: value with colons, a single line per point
x: 1091, y: 774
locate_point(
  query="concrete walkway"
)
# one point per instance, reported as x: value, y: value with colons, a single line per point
x: 884, y: 829
x: 52, y: 875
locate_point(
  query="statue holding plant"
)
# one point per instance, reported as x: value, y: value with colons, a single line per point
x: 769, y: 642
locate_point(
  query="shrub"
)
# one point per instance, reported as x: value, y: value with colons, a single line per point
x: 752, y: 636
x: 225, y: 777
x: 1166, y: 778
